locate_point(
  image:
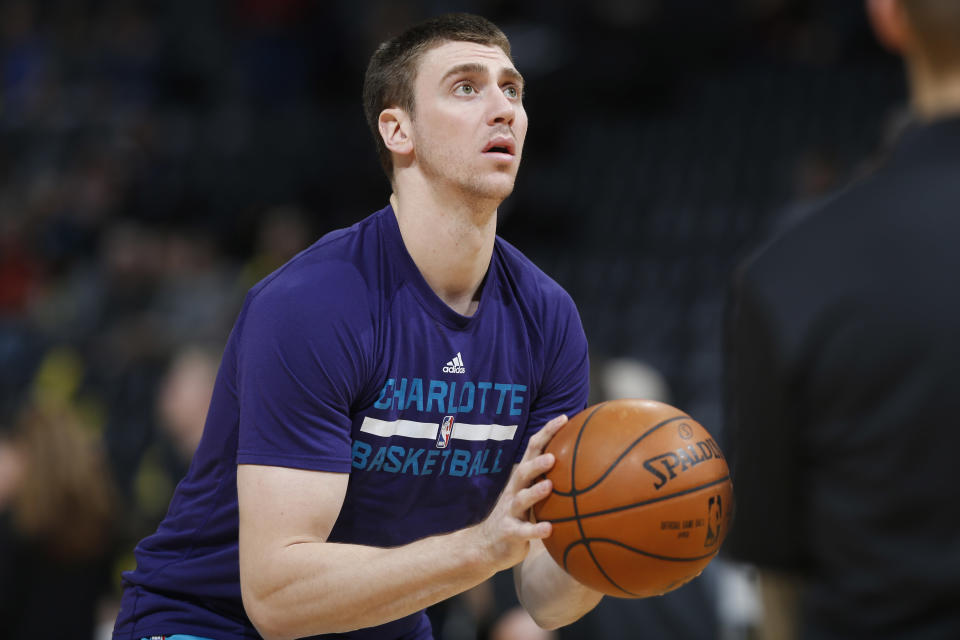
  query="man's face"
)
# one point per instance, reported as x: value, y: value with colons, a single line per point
x: 469, y: 123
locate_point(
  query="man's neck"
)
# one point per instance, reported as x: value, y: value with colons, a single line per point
x: 450, y: 240
x: 934, y: 97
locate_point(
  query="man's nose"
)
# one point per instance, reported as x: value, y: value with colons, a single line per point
x: 502, y: 110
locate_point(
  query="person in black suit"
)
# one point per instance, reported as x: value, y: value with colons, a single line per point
x: 843, y: 388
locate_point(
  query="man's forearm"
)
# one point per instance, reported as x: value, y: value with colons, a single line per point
x: 308, y: 588
x: 296, y: 584
x: 548, y: 593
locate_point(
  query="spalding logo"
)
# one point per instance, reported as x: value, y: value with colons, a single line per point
x: 664, y: 467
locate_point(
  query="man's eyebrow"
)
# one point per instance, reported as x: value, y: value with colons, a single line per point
x: 513, y: 75
x: 475, y: 67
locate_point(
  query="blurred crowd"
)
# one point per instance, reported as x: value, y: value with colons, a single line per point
x: 159, y: 158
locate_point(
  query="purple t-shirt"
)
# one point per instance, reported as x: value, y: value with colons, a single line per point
x: 345, y: 360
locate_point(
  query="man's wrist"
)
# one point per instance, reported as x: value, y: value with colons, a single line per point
x: 476, y: 553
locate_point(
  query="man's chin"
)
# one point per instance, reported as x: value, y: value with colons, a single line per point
x: 495, y: 188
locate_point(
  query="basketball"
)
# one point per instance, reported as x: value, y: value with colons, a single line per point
x: 641, y: 500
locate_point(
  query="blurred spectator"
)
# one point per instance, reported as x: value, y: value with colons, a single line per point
x: 629, y: 378
x: 195, y: 299
x: 23, y: 60
x: 19, y: 269
x: 842, y: 379
x: 282, y: 233
x: 185, y: 396
x: 57, y: 512
x: 182, y: 398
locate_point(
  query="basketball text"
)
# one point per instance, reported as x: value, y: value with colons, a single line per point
x: 418, y: 461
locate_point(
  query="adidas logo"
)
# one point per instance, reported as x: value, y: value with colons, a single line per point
x: 455, y: 365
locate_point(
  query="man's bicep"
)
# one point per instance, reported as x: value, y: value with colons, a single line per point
x: 281, y: 506
x: 565, y: 386
x: 285, y: 513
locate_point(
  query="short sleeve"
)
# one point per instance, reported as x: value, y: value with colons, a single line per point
x: 305, y: 345
x: 565, y: 386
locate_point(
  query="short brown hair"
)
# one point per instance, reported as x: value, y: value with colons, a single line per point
x: 937, y: 26
x: 393, y: 67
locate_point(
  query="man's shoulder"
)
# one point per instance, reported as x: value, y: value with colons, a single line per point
x: 875, y: 207
x: 526, y: 276
x: 337, y: 261
x: 814, y: 232
x: 334, y: 273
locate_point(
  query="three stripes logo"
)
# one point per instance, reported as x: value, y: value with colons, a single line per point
x: 455, y: 365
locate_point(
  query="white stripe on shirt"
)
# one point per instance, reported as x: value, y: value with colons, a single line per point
x: 428, y: 430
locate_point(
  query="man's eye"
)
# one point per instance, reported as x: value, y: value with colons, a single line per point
x: 466, y: 90
x: 512, y: 92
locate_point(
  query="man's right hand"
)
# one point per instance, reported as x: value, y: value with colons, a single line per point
x: 504, y: 537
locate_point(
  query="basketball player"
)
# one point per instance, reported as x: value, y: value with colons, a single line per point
x: 323, y: 499
x: 846, y: 358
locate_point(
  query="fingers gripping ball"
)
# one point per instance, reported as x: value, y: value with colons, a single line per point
x: 641, y: 500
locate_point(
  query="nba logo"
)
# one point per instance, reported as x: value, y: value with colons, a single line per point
x: 714, y: 518
x: 446, y: 429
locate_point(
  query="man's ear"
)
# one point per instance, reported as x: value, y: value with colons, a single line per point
x: 889, y: 24
x: 395, y: 129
